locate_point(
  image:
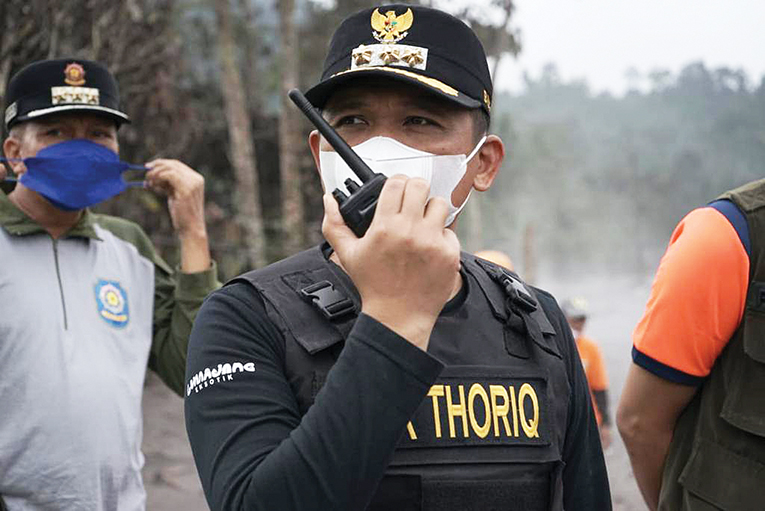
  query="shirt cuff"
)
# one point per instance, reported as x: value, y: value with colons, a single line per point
x: 406, y: 355
x: 198, y: 285
x: 664, y: 371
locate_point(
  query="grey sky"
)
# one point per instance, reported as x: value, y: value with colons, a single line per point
x: 598, y: 40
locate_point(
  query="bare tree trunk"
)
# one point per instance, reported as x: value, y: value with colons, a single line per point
x: 242, y: 148
x: 252, y: 46
x: 290, y: 143
x: 502, y: 40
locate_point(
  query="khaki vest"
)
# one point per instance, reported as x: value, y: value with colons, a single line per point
x: 717, y: 456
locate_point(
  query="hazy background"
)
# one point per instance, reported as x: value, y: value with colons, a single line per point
x: 619, y: 117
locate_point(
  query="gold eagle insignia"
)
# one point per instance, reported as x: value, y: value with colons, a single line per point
x: 390, y: 28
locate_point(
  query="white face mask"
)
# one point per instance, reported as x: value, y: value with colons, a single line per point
x: 390, y: 157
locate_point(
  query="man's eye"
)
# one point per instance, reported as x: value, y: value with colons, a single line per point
x: 349, y: 120
x: 52, y: 132
x: 419, y: 121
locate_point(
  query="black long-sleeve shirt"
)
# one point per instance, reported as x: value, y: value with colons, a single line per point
x: 254, y: 451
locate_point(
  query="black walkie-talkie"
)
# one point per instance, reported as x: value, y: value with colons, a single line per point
x: 358, y: 208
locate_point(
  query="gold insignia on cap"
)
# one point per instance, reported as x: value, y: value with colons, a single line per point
x: 413, y: 57
x: 487, y: 99
x: 74, y: 95
x: 74, y: 74
x: 389, y: 56
x: 361, y: 56
x: 390, y: 28
x: 374, y: 55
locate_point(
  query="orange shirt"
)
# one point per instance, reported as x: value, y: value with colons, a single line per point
x: 594, y: 368
x: 697, y: 299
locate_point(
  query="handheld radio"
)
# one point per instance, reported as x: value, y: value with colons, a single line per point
x: 358, y: 206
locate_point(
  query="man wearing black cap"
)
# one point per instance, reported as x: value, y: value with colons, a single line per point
x: 389, y: 371
x: 88, y: 303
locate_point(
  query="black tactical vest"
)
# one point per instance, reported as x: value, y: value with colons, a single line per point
x: 717, y: 456
x: 490, y: 433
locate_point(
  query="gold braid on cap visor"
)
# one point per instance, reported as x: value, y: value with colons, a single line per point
x: 432, y: 82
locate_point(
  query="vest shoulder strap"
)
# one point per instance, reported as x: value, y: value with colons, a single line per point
x: 489, y: 275
x: 326, y: 309
x: 749, y: 197
x: 507, y: 295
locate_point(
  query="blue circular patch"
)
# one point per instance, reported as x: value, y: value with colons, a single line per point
x: 112, y: 303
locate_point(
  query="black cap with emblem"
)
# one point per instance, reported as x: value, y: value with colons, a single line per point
x: 65, y: 85
x: 415, y: 44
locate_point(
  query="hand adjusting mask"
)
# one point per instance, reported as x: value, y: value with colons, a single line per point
x: 390, y: 157
x: 77, y: 173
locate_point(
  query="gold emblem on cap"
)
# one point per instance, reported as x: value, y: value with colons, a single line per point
x: 74, y: 95
x: 389, y: 56
x: 413, y: 58
x: 487, y: 99
x: 390, y: 28
x: 373, y: 55
x: 362, y: 55
x: 74, y: 74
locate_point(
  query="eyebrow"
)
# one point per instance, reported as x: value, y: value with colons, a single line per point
x: 344, y: 104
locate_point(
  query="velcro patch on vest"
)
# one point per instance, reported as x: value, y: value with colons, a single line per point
x: 481, y: 406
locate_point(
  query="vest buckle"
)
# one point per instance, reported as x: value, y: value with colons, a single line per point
x: 518, y: 293
x: 515, y: 290
x: 331, y: 302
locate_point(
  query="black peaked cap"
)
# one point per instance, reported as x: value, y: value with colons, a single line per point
x: 65, y: 85
x: 418, y: 45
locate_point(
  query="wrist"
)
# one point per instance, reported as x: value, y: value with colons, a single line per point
x: 193, y: 235
x: 195, y: 252
x: 415, y: 328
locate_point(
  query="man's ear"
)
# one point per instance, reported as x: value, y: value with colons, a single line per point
x: 12, y: 149
x: 314, y: 142
x: 489, y: 157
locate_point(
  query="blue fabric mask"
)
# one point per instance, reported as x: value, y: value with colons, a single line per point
x: 76, y: 174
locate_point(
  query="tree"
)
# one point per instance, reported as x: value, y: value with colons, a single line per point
x: 242, y: 150
x: 293, y: 224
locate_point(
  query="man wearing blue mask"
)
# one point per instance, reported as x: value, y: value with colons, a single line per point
x: 389, y: 371
x: 88, y: 302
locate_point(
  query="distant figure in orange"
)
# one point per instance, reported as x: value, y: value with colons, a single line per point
x: 497, y: 257
x: 576, y: 311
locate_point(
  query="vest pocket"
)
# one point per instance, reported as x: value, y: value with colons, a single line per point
x: 398, y: 493
x: 416, y: 493
x: 744, y: 405
x: 722, y: 478
x: 754, y: 336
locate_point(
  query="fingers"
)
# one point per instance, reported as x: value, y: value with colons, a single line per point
x: 391, y: 196
x: 173, y: 178
x: 335, y: 231
x: 436, y: 211
x: 415, y: 197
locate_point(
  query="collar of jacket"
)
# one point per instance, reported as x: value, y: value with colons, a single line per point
x: 17, y: 223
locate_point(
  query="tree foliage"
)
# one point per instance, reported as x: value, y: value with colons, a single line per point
x: 599, y: 180
x: 604, y: 180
